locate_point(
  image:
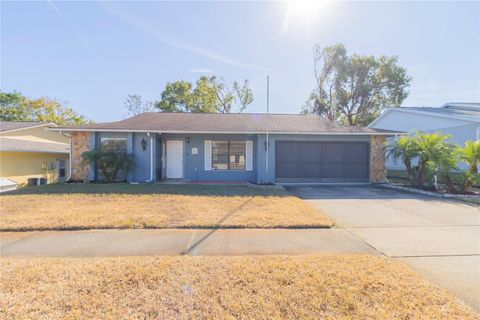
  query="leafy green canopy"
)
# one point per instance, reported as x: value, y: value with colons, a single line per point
x: 16, y: 107
x: 209, y: 94
x: 354, y: 89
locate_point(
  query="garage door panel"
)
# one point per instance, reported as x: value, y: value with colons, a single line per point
x: 357, y: 170
x: 310, y: 171
x: 333, y: 152
x: 333, y: 170
x: 287, y: 170
x: 357, y: 152
x: 356, y: 155
x: 310, y: 151
x: 309, y: 160
x: 286, y: 151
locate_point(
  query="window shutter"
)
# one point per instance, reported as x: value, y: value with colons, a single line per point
x: 249, y: 155
x: 208, y: 154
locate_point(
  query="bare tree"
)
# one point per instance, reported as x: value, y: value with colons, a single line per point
x: 135, y: 105
x: 354, y: 89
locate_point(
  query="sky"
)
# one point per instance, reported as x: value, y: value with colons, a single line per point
x: 93, y: 54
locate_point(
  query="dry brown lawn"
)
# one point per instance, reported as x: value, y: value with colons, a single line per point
x: 274, y: 287
x: 69, y: 207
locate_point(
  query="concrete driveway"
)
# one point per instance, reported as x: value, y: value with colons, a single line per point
x: 438, y: 238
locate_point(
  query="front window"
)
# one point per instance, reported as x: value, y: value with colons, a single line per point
x: 114, y: 145
x: 228, y: 155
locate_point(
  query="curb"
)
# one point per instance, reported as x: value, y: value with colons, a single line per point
x: 429, y: 193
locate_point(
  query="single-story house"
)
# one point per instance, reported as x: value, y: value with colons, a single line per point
x: 29, y: 150
x: 256, y: 148
x: 460, y: 120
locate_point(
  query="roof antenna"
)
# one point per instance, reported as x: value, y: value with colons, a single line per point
x: 267, y: 143
x: 268, y: 94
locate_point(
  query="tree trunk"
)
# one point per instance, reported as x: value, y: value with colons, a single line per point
x: 467, y: 184
x: 350, y: 119
x: 421, y: 174
x: 450, y: 186
x: 474, y: 168
x: 408, y: 165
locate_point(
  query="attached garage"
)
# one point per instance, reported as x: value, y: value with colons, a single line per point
x: 322, y: 162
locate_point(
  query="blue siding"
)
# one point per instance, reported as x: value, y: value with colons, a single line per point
x: 141, y: 171
x: 194, y: 164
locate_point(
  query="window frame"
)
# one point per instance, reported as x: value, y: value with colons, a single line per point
x: 228, y: 155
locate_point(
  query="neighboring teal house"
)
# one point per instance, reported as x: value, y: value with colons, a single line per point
x: 256, y: 148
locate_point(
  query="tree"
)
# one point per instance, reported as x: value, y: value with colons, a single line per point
x: 16, y: 107
x: 404, y: 148
x: 354, y: 89
x: 135, y: 105
x: 244, y: 95
x: 470, y: 154
x: 430, y: 148
x: 446, y: 164
x: 12, y: 106
x: 176, y: 97
x: 210, y: 94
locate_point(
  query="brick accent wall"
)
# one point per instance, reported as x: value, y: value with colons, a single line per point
x: 378, y: 167
x: 80, y: 144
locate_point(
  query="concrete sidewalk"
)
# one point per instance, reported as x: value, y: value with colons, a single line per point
x: 95, y: 243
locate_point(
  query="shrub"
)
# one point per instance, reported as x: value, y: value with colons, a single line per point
x: 470, y: 154
x: 436, y: 156
x: 109, y: 162
x: 431, y: 148
x: 404, y: 149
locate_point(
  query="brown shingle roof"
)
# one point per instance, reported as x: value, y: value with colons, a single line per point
x: 14, y: 125
x: 227, y: 123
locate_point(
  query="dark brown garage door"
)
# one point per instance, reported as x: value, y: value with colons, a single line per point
x: 312, y: 161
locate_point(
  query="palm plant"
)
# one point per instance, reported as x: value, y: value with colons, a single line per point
x: 430, y: 149
x: 109, y: 162
x: 446, y: 164
x: 470, y: 154
x: 404, y: 149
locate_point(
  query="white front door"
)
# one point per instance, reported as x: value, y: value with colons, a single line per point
x: 174, y: 159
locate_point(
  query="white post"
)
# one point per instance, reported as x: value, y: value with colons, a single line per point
x: 151, y: 156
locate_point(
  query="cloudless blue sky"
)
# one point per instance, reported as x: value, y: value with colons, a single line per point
x: 93, y: 54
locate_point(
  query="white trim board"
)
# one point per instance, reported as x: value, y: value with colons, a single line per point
x: 425, y: 113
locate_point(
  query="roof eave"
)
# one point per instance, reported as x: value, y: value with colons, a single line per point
x: 392, y: 133
x: 31, y: 127
x: 34, y: 151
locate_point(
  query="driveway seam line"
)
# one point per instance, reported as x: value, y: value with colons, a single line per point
x: 365, y: 242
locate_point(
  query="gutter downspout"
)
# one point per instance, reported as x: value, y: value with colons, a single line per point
x: 151, y: 157
x: 69, y: 157
x: 70, y: 162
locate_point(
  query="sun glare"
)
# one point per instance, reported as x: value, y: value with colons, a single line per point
x: 301, y: 12
x: 304, y: 8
